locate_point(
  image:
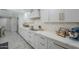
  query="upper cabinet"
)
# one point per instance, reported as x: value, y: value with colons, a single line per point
x: 59, y: 15
x: 71, y: 15
x: 53, y: 15
x: 35, y: 14
x: 44, y: 15
x: 49, y: 15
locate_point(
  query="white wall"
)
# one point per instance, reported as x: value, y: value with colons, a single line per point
x: 54, y: 26
x: 13, y: 24
x: 3, y: 21
x: 9, y: 23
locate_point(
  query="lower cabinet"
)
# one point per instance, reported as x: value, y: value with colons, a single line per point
x: 30, y: 38
x: 39, y: 41
x: 33, y: 40
x: 53, y: 45
x: 42, y: 42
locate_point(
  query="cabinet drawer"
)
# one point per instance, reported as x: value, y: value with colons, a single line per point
x: 42, y: 45
x: 66, y: 46
x: 32, y: 39
x: 53, y: 45
x: 42, y: 42
x: 42, y: 38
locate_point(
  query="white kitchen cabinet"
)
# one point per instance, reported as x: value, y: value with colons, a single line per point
x: 38, y: 41
x: 53, y: 15
x: 71, y: 15
x: 42, y: 42
x: 24, y: 33
x: 49, y: 15
x: 35, y: 14
x: 53, y: 45
x: 32, y: 39
x: 57, y: 15
x: 35, y: 40
x: 29, y: 36
x: 21, y: 31
x: 44, y: 15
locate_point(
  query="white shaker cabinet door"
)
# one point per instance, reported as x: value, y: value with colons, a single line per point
x: 53, y: 15
x: 21, y: 32
x: 29, y: 37
x: 42, y: 42
x: 71, y: 15
x: 35, y: 14
x: 26, y: 35
x: 49, y: 15
x: 44, y: 15
x: 34, y: 40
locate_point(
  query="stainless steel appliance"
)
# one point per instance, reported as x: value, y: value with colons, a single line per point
x: 74, y: 33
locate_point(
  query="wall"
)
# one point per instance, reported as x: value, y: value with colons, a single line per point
x: 13, y: 23
x: 54, y: 26
x: 22, y: 19
x: 9, y: 23
x: 3, y: 21
x: 50, y: 26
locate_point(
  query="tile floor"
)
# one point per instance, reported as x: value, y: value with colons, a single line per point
x: 15, y: 41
